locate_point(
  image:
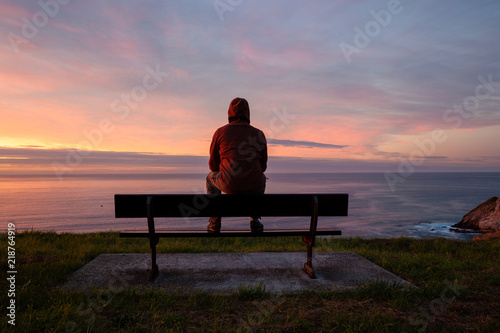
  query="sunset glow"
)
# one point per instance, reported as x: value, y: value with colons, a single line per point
x: 127, y: 86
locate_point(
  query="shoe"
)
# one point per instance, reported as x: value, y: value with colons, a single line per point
x: 213, y: 225
x: 256, y: 226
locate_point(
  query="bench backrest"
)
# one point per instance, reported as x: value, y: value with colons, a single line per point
x: 202, y: 205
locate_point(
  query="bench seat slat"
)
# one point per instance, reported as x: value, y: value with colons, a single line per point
x: 227, y: 233
x: 202, y: 205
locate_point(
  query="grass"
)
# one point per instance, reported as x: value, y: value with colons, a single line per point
x: 458, y: 289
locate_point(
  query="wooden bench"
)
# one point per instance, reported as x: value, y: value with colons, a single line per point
x: 198, y: 205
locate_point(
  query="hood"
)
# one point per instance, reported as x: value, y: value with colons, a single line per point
x: 239, y: 109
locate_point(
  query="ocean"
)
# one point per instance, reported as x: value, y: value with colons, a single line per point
x: 423, y: 205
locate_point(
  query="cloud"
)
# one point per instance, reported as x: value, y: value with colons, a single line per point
x: 436, y: 157
x: 303, y: 144
x: 70, y: 161
x: 64, y: 162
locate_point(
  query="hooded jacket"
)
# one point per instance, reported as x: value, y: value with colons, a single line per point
x: 239, y: 151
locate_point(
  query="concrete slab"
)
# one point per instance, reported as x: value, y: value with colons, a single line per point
x: 227, y: 272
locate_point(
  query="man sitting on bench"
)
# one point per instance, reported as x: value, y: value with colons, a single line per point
x: 238, y: 159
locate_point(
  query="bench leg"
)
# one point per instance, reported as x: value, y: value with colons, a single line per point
x: 153, y: 240
x: 308, y: 267
x: 153, y: 274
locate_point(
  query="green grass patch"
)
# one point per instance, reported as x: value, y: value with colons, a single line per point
x: 458, y: 289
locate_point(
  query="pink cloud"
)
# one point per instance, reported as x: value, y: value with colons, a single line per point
x: 12, y: 15
x: 252, y: 56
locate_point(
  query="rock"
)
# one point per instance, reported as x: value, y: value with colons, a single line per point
x: 465, y: 231
x: 485, y: 217
x: 488, y: 236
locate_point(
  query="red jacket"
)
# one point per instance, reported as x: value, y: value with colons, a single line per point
x: 239, y: 151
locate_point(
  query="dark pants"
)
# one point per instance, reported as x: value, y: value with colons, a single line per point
x: 214, y: 187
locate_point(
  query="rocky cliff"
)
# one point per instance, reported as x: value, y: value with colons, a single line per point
x: 485, y: 217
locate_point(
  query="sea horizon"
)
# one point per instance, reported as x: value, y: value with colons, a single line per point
x: 423, y: 205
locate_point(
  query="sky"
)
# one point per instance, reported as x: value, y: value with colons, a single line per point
x: 336, y: 86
